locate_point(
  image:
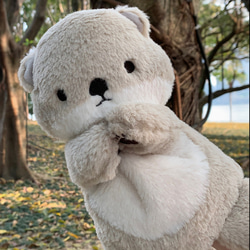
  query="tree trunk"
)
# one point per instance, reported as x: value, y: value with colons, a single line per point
x: 13, y: 163
x: 175, y: 32
x: 173, y: 28
x: 13, y: 108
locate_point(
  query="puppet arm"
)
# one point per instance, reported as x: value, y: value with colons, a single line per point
x: 143, y: 124
x: 92, y: 157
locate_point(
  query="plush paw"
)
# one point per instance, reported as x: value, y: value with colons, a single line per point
x: 138, y: 123
x: 92, y: 157
x: 124, y: 126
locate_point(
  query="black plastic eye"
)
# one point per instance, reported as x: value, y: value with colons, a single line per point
x: 129, y: 66
x: 61, y: 95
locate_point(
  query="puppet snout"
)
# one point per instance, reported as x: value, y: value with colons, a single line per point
x: 99, y: 86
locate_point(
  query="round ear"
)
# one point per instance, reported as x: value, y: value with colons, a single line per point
x: 139, y: 18
x: 25, y: 72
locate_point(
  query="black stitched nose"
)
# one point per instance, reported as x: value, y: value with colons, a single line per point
x: 98, y: 87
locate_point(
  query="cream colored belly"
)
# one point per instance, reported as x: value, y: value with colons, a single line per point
x: 152, y: 195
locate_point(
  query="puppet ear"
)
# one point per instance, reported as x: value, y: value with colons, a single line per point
x: 25, y: 72
x: 139, y: 18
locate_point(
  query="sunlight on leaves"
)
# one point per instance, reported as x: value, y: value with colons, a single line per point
x: 53, y: 215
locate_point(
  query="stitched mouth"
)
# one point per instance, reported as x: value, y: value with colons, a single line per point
x: 103, y: 100
x: 125, y: 141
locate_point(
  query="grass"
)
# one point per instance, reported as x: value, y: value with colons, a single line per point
x: 52, y: 215
x: 232, y: 138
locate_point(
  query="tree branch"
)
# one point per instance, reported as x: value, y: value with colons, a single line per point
x: 7, y: 43
x: 12, y: 9
x: 3, y: 99
x: 221, y: 92
x: 223, y: 59
x: 210, y: 34
x: 234, y: 32
x: 51, y: 17
x: 230, y: 58
x: 219, y: 44
x: 4, y: 27
x: 235, y: 58
x: 221, y: 12
x: 37, y: 22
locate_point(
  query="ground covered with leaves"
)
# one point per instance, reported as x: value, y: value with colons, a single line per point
x: 51, y: 214
x: 232, y: 139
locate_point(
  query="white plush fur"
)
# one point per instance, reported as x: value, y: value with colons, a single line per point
x: 26, y: 73
x: 149, y: 180
x: 85, y: 114
x: 81, y: 118
x: 170, y: 191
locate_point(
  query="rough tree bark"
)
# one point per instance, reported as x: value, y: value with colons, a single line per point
x: 13, y: 114
x: 173, y: 28
x: 13, y: 138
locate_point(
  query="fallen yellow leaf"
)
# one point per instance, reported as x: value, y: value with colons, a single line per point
x: 66, y: 238
x: 47, y: 191
x: 53, y: 205
x: 14, y: 222
x: 16, y: 236
x: 86, y: 226
x: 30, y: 189
x: 73, y: 235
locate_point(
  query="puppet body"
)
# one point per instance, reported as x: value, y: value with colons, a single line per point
x: 150, y: 181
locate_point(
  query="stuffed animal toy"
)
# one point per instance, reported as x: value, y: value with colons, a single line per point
x: 150, y: 181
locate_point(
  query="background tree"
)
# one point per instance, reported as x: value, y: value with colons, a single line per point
x: 12, y: 98
x: 22, y: 23
x: 225, y: 34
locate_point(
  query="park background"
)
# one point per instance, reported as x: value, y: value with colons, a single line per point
x: 238, y: 111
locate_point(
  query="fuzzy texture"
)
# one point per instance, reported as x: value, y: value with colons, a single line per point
x: 150, y: 181
x: 236, y: 228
